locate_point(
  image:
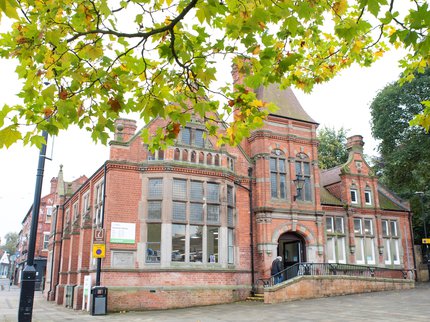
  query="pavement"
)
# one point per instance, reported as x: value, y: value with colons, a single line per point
x: 403, y: 305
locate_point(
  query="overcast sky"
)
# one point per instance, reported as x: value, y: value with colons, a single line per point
x: 342, y: 102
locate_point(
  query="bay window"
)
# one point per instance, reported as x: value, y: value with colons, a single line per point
x: 335, y: 231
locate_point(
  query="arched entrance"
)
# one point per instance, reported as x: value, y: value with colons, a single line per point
x: 291, y: 247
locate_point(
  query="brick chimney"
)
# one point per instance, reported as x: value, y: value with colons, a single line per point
x: 124, y: 129
x: 355, y: 143
x: 54, y: 182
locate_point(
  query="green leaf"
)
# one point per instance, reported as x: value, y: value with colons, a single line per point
x: 9, y: 135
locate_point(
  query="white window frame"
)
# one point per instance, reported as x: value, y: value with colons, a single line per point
x: 369, y: 194
x: 46, y: 235
x: 49, y: 211
x: 354, y: 192
x: 337, y: 239
x: 98, y: 203
x: 391, y: 242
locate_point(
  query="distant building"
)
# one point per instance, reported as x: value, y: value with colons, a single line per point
x: 48, y: 205
x: 5, y: 264
x: 181, y: 230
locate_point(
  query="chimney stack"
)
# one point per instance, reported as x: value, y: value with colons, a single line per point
x: 355, y: 143
x: 124, y: 129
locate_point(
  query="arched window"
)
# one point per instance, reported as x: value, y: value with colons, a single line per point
x: 217, y: 159
x: 160, y: 154
x: 303, y: 170
x: 209, y: 159
x: 278, y: 174
x: 201, y: 158
x: 176, y: 154
x: 193, y: 157
x: 185, y: 155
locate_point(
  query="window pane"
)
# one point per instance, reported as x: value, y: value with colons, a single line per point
x: 178, y: 243
x: 384, y: 227
x: 230, y: 242
x: 230, y: 196
x: 298, y: 168
x: 308, y: 191
x: 273, y: 165
x: 368, y: 227
x: 367, y: 197
x: 387, y: 251
x: 154, y: 209
x: 196, y: 243
x: 306, y: 168
x: 155, y: 188
x: 281, y: 165
x: 230, y: 218
x: 396, y: 258
x: 354, y: 196
x: 330, y: 250
x: 369, y: 251
x: 179, y: 211
x: 198, y: 140
x: 282, y: 186
x: 329, y: 224
x: 213, y: 214
x: 212, y: 244
x: 341, y: 258
x: 196, y: 212
x: 359, y: 256
x: 213, y: 192
x: 357, y: 226
x: 179, y: 189
x: 186, y: 137
x: 339, y: 225
x: 196, y: 190
x: 274, y: 185
x: 393, y: 227
x: 153, y: 250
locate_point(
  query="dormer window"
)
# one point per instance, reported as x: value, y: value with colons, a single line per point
x: 354, y: 196
x: 192, y: 136
x: 368, y: 197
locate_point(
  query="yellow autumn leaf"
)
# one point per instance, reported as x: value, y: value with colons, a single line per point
x: 379, y: 53
x: 256, y: 50
x: 256, y: 103
x: 340, y: 6
x: 358, y: 45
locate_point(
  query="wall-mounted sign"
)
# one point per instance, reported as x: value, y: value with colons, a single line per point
x: 123, y: 233
x: 99, y: 251
x: 426, y: 241
x: 99, y: 236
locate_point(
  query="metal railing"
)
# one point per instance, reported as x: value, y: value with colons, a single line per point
x: 329, y: 269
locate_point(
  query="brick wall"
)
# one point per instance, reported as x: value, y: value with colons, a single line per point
x: 306, y: 287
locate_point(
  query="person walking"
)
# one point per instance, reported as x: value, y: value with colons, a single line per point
x: 277, y: 268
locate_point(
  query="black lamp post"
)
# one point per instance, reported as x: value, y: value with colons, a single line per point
x: 299, y: 183
x: 28, y: 277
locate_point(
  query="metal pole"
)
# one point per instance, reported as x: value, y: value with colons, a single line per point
x: 28, y: 277
x: 99, y: 260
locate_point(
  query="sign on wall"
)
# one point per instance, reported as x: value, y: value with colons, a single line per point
x: 99, y: 250
x: 123, y: 233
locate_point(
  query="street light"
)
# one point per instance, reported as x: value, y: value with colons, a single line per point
x: 421, y: 195
x: 299, y: 183
x: 28, y: 277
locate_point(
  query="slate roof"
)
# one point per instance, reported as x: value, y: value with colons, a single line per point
x: 330, y: 176
x: 287, y: 102
x: 328, y: 199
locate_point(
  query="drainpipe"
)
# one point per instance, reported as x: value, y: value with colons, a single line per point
x: 99, y: 260
x: 251, y: 230
x: 251, y: 227
x: 413, y: 248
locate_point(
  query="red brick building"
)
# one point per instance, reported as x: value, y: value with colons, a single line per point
x: 199, y: 224
x: 48, y: 204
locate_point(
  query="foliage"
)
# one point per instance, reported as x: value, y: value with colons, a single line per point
x: 11, y: 241
x: 84, y: 62
x: 404, y: 161
x: 332, y: 147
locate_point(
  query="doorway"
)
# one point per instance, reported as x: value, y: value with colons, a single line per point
x: 291, y: 247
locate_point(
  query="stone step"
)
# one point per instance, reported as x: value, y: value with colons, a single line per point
x: 256, y: 298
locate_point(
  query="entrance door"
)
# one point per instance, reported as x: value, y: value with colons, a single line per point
x: 292, y: 253
x: 292, y: 249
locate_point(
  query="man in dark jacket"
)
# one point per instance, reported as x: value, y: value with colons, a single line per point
x: 276, y: 268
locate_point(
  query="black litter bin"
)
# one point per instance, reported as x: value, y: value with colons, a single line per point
x: 99, y: 300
